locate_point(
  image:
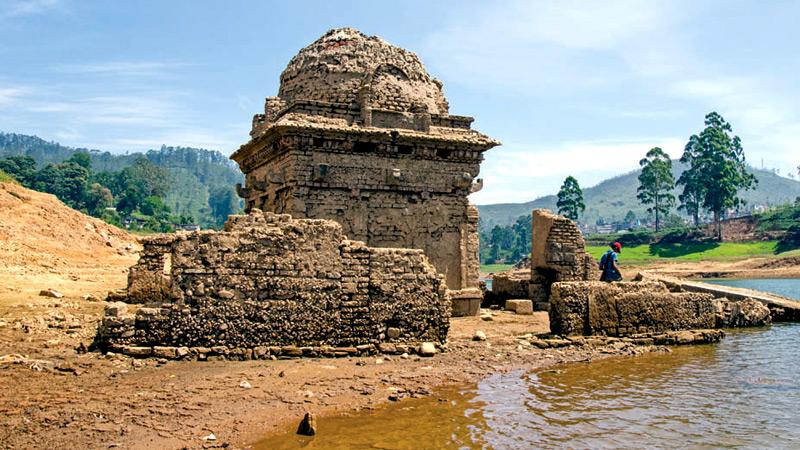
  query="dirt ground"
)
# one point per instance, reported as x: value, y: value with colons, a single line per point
x: 57, y: 397
x: 750, y: 268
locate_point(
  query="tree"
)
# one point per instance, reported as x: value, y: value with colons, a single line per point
x: 80, y: 158
x: 656, y: 183
x: 570, y: 199
x: 691, y: 197
x: 717, y: 168
x: 223, y: 202
x: 630, y: 219
x: 97, y: 199
x: 22, y: 168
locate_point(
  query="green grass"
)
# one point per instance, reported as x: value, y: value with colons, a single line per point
x: 6, y: 178
x: 494, y: 268
x: 695, y: 251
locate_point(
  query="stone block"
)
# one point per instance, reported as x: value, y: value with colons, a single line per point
x: 520, y: 306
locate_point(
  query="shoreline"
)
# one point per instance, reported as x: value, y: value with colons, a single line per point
x: 60, y: 398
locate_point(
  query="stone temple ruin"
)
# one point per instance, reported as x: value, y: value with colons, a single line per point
x: 358, y: 235
x: 270, y: 285
x: 361, y: 134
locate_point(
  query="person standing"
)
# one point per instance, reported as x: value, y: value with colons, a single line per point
x: 609, y: 264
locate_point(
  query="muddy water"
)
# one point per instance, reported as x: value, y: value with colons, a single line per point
x: 741, y: 393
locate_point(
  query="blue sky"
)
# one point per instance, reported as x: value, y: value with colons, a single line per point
x: 570, y: 88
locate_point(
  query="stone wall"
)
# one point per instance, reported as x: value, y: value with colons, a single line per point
x: 557, y: 254
x: 617, y: 309
x: 270, y: 280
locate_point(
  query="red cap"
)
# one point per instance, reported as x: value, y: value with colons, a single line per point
x: 617, y: 246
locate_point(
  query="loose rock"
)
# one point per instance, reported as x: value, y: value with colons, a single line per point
x: 308, y: 426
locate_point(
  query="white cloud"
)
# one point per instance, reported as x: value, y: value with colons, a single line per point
x: 515, y: 175
x: 528, y: 47
x: 10, y: 95
x: 19, y: 8
x: 121, y: 68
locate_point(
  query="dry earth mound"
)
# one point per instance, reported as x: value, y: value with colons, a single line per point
x: 41, y: 234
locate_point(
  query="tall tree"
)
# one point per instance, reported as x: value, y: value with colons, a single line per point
x: 656, y: 184
x: 691, y: 197
x: 570, y: 199
x: 717, y: 168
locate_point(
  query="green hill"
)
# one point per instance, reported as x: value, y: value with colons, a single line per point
x: 613, y: 198
x: 195, y: 172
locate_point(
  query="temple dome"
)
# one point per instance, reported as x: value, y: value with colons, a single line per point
x: 347, y: 67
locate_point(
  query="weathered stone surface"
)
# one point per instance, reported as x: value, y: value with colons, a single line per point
x: 426, y: 349
x: 519, y: 306
x: 624, y: 308
x: 361, y: 134
x: 50, y: 293
x: 270, y: 280
x: 743, y: 313
x: 479, y: 336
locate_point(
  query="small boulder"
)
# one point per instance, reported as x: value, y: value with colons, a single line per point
x: 308, y: 426
x: 392, y: 333
x: 479, y: 336
x: 50, y: 293
x: 427, y: 349
x: 245, y: 385
x: 224, y: 293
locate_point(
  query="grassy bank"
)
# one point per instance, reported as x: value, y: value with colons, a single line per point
x: 696, y: 251
x: 494, y: 268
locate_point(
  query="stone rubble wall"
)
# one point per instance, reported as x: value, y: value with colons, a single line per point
x: 742, y: 313
x: 269, y: 281
x: 624, y: 308
x: 558, y: 249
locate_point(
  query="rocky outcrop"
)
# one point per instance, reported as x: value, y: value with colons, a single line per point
x: 270, y: 280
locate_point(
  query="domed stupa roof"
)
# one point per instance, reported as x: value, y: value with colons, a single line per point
x: 345, y: 66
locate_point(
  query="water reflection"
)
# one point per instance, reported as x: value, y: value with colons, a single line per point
x: 451, y: 421
x: 741, y: 393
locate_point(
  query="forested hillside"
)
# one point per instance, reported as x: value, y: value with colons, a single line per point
x: 200, y: 186
x: 613, y: 198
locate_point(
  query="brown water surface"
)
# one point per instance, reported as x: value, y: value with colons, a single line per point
x: 741, y: 393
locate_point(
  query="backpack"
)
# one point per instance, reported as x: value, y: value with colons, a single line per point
x: 604, y: 260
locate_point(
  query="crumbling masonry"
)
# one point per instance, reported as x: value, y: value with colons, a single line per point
x: 361, y: 134
x: 272, y: 285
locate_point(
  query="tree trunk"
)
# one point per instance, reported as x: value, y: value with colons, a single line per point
x: 656, y: 214
x: 717, y: 225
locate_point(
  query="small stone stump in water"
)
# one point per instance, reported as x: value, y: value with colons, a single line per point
x: 308, y: 426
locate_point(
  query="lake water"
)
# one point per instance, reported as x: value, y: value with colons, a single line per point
x: 741, y: 393
x: 787, y: 287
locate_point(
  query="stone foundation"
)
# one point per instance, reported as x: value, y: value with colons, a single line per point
x: 272, y: 281
x: 625, y: 308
